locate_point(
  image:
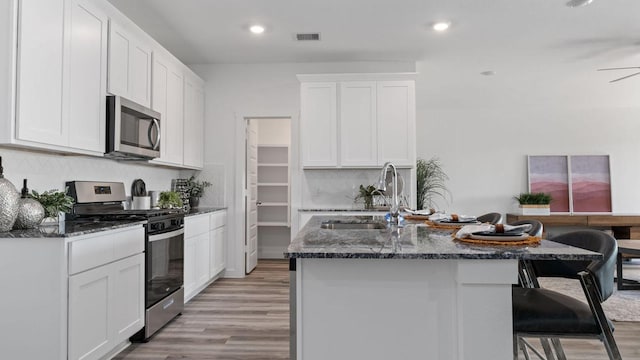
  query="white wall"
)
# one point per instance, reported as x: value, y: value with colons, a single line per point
x: 238, y: 91
x: 482, y: 128
x: 51, y: 171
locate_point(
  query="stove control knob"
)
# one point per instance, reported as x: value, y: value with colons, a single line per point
x: 154, y: 227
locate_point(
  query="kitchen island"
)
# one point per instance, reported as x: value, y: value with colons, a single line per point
x: 408, y: 292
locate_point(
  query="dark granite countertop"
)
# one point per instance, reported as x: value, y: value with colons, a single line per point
x: 203, y: 210
x: 71, y: 228
x: 414, y: 240
x: 345, y: 210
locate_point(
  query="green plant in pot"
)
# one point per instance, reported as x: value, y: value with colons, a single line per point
x: 366, y: 194
x: 431, y: 180
x: 169, y: 200
x: 534, y: 203
x: 54, y: 202
x: 195, y: 189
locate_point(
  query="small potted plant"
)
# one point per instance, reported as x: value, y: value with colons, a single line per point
x: 195, y: 189
x: 366, y: 194
x: 169, y: 200
x: 55, y: 203
x: 534, y: 203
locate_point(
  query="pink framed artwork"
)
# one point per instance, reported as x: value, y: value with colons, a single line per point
x: 590, y: 183
x: 549, y: 174
x: 577, y: 183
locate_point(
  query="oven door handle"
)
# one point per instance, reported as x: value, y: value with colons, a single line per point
x: 166, y: 235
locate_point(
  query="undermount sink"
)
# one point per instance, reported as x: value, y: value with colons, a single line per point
x: 345, y: 225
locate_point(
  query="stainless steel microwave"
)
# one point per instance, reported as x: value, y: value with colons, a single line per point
x: 133, y: 131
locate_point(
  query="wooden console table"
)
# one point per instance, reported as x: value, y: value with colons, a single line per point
x: 624, y: 226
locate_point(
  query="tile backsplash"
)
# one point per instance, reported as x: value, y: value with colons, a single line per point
x: 50, y: 171
x: 324, y: 189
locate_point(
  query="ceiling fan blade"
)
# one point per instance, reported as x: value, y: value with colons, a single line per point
x: 621, y: 68
x: 625, y: 77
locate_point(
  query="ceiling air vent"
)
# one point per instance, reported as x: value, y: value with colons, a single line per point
x: 308, y: 36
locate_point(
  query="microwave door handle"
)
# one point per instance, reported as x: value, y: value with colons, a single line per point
x: 156, y: 124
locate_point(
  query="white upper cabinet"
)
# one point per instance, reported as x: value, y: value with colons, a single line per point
x: 358, y: 133
x: 396, y: 122
x: 60, y: 58
x: 318, y: 124
x: 193, y: 122
x: 374, y: 115
x: 85, y: 93
x: 168, y: 99
x: 60, y: 76
x: 39, y: 75
x: 129, y: 65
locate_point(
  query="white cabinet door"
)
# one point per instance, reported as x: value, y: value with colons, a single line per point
x: 193, y: 123
x: 91, y: 294
x: 86, y: 76
x: 140, y: 74
x: 129, y: 66
x: 202, y: 259
x: 218, y: 249
x: 128, y: 305
x: 189, y: 268
x: 396, y: 122
x: 167, y: 99
x: 358, y: 130
x: 39, y: 76
x: 318, y: 124
x: 119, y: 55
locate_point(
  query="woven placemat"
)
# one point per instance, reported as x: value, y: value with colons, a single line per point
x: 531, y: 240
x: 416, y: 217
x: 431, y: 224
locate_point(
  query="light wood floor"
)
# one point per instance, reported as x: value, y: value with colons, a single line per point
x: 247, y: 319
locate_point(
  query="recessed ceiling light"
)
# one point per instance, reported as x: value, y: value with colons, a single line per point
x: 488, y: 73
x: 256, y: 29
x: 441, y: 26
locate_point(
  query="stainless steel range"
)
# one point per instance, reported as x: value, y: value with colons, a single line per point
x: 164, y: 247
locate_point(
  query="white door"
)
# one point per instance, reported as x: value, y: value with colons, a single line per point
x: 128, y: 305
x: 90, y: 326
x: 318, y: 124
x: 251, y: 198
x: 86, y: 75
x: 396, y: 115
x: 358, y: 131
x: 39, y: 76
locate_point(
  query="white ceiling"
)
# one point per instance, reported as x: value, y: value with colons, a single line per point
x: 487, y: 33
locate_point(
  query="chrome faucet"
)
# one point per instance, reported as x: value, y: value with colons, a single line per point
x: 382, y: 186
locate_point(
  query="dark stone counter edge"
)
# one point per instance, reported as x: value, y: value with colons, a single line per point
x: 203, y: 210
x: 53, y: 231
x: 345, y: 210
x: 494, y: 256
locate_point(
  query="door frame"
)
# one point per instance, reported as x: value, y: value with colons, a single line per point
x: 236, y: 248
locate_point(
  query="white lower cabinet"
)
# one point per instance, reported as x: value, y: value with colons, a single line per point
x: 218, y: 235
x: 79, y: 297
x: 106, y: 307
x: 90, y: 297
x: 204, y: 251
x: 202, y: 258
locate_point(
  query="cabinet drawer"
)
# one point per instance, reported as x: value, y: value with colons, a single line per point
x: 92, y: 251
x: 218, y: 219
x: 195, y: 225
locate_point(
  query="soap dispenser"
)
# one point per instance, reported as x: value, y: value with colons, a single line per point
x: 9, y: 198
x: 30, y: 211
